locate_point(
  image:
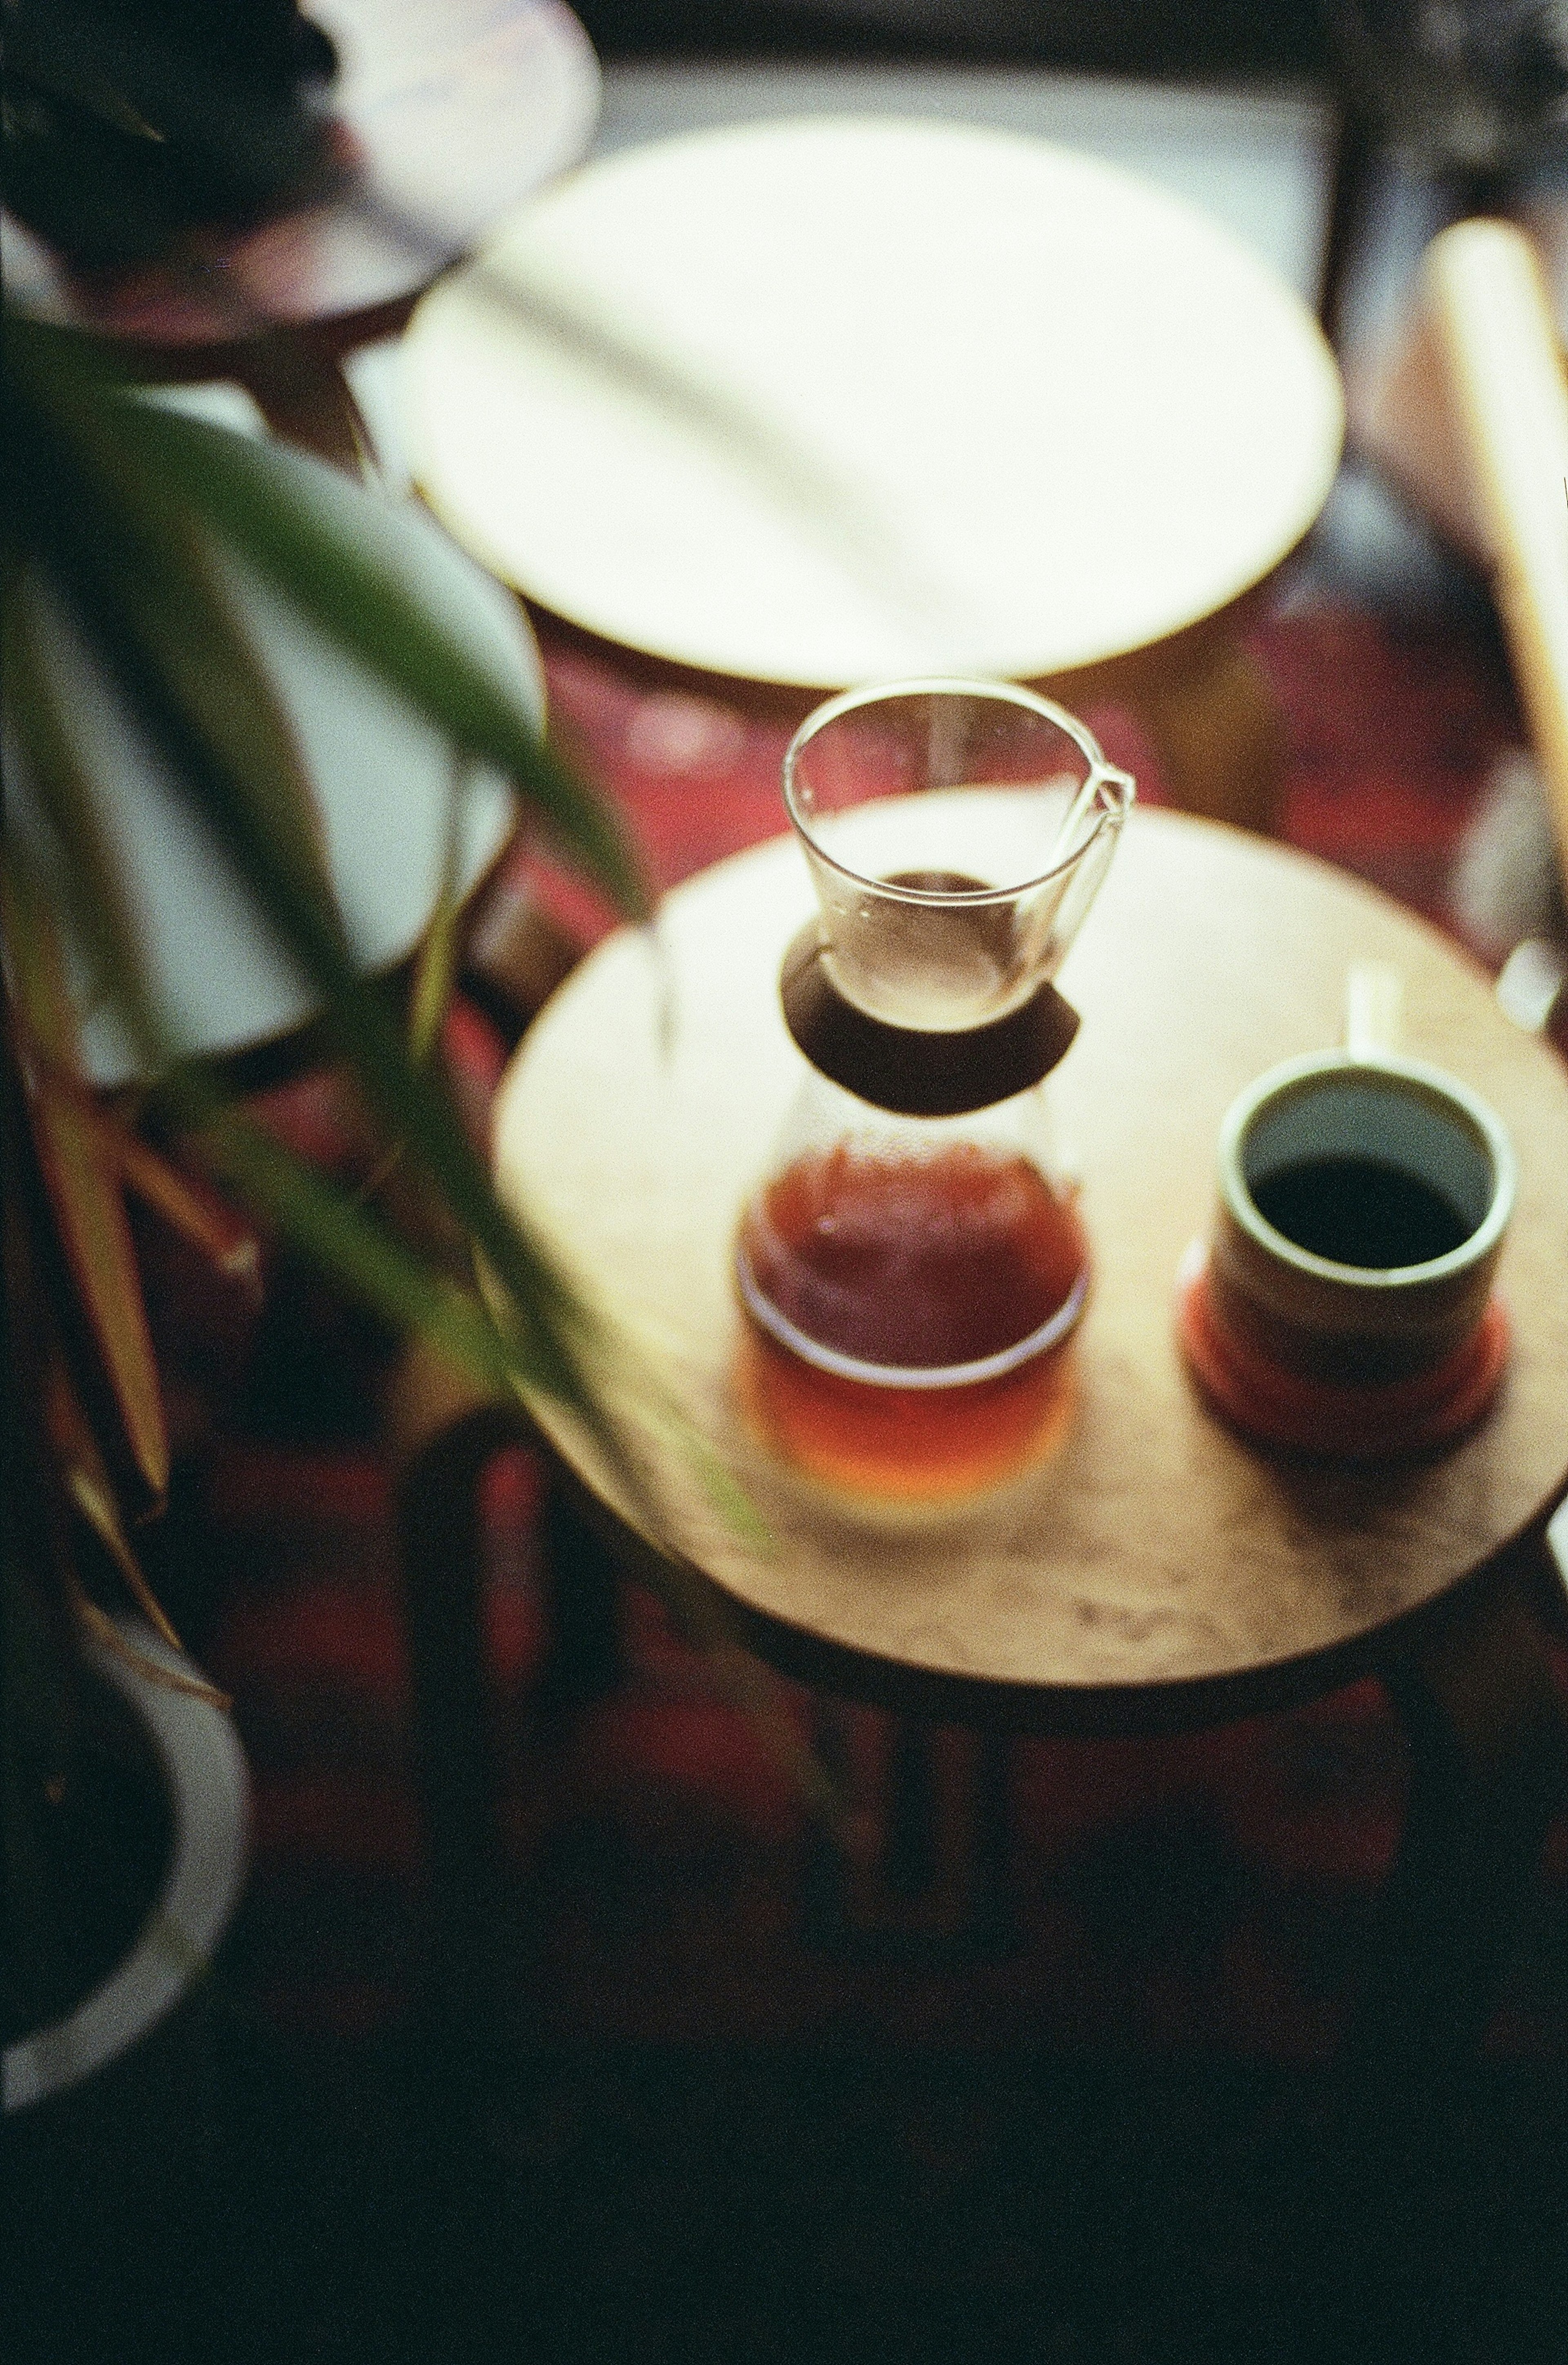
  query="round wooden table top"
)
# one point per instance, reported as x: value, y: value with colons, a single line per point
x: 1155, y: 1568
x: 1009, y: 410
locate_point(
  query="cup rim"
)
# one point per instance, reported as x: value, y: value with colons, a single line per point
x: 1237, y: 1196
x: 1101, y: 776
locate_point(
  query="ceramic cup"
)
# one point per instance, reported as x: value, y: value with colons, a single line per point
x: 1344, y: 1301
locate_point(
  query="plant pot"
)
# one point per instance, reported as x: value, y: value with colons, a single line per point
x: 107, y: 2129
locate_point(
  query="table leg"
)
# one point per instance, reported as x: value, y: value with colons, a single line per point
x: 994, y: 1907
x: 441, y: 1540
x: 909, y: 1860
x: 1355, y: 145
x: 1214, y: 721
x: 825, y: 1901
x: 1489, y: 1742
x: 302, y: 393
x: 1348, y: 2188
x: 583, y: 1655
x: 1217, y: 731
x: 492, y: 2090
x: 939, y: 1888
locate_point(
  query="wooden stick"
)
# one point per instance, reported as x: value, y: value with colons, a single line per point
x: 1490, y: 314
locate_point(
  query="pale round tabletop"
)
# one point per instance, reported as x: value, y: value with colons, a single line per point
x: 1025, y: 412
x: 1157, y: 1566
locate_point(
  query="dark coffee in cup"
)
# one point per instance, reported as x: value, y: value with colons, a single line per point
x: 1362, y: 1211
x: 1362, y: 1204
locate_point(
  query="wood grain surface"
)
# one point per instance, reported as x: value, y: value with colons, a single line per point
x: 1153, y: 1567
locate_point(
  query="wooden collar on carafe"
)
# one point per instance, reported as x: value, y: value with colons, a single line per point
x: 914, y: 1071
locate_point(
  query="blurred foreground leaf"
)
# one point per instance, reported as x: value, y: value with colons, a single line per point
x: 82, y: 1182
x: 309, y: 532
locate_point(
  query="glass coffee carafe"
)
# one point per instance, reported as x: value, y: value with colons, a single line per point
x: 913, y: 1261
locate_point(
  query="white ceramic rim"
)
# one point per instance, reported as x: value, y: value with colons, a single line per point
x: 1380, y: 1280
x: 1088, y: 796
x: 205, y: 1776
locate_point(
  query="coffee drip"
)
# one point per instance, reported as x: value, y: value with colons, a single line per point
x: 913, y: 1261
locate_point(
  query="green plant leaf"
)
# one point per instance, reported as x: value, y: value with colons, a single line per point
x: 336, y: 1228
x: 160, y: 592
x: 410, y: 1101
x: 298, y: 525
x: 543, y: 1349
x: 435, y: 970
x: 90, y: 1493
x: 188, y: 1207
x: 86, y: 876
x: 81, y: 1181
x: 120, y: 601
x: 136, y: 632
x: 133, y: 613
x: 309, y: 531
